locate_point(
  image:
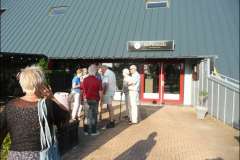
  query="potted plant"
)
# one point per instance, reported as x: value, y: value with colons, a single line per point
x: 202, y: 109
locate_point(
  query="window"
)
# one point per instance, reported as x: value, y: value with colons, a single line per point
x: 56, y: 11
x: 152, y: 4
x: 3, y: 10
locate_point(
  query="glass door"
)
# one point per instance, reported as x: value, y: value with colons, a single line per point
x: 172, y: 82
x: 150, y: 90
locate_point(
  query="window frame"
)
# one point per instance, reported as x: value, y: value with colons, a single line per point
x: 2, y: 10
x: 156, y: 1
x: 57, y: 8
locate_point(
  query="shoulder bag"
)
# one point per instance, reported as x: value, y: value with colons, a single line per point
x: 71, y: 97
x: 49, y: 150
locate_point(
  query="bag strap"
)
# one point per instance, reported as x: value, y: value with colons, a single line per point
x: 40, y: 116
x: 45, y: 137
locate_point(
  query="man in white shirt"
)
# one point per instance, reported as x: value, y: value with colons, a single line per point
x: 133, y: 93
x: 109, y: 88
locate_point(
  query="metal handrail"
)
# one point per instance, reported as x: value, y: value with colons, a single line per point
x: 225, y: 77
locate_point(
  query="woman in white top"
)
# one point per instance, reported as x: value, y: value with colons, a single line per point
x: 126, y: 81
x: 85, y: 74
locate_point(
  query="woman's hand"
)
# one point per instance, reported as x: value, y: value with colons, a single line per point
x: 46, y: 92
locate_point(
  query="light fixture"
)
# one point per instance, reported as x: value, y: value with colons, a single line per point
x: 29, y: 59
x: 21, y: 57
x: 12, y: 57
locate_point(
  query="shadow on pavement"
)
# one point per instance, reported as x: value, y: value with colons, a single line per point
x: 215, y: 159
x: 237, y: 138
x: 88, y: 144
x: 139, y: 150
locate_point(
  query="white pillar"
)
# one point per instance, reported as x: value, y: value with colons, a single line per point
x: 187, y: 82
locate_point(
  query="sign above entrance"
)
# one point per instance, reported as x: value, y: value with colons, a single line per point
x: 135, y: 46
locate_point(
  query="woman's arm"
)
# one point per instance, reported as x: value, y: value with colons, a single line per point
x: 75, y: 86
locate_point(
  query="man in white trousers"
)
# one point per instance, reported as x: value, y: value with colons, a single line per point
x: 134, y: 95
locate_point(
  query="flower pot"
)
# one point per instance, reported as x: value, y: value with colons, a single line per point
x: 201, y: 112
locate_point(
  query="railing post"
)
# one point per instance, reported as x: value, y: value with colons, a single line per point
x: 212, y: 101
x: 233, y: 108
x: 225, y: 103
x: 218, y: 102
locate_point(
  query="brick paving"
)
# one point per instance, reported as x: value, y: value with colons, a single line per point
x: 163, y: 133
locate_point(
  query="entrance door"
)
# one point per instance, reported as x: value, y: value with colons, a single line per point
x: 150, y: 83
x: 172, y: 83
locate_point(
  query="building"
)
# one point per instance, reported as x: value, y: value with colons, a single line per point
x: 172, y: 42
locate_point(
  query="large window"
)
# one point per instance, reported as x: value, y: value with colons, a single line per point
x: 151, y: 81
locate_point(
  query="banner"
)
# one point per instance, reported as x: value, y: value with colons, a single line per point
x: 135, y: 46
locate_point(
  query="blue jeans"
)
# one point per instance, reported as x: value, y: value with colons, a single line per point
x: 93, y: 106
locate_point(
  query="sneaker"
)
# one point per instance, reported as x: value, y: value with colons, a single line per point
x: 131, y: 123
x: 85, y: 133
x: 95, y: 134
x: 100, y: 118
x: 111, y: 125
x: 125, y: 117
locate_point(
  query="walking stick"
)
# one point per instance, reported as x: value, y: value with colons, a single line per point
x: 120, y: 106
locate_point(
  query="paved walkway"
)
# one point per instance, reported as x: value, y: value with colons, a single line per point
x: 166, y: 133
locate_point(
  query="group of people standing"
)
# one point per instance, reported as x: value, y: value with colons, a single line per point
x: 20, y: 116
x: 95, y: 87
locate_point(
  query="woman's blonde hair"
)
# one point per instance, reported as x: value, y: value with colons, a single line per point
x: 84, y: 70
x: 126, y: 71
x: 31, y: 78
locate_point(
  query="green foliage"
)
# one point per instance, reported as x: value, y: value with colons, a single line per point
x: 203, y: 94
x: 202, y: 97
x: 43, y: 64
x: 5, y: 147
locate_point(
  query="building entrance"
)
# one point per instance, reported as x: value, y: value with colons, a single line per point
x: 172, y: 82
x: 162, y: 82
x: 150, y: 82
